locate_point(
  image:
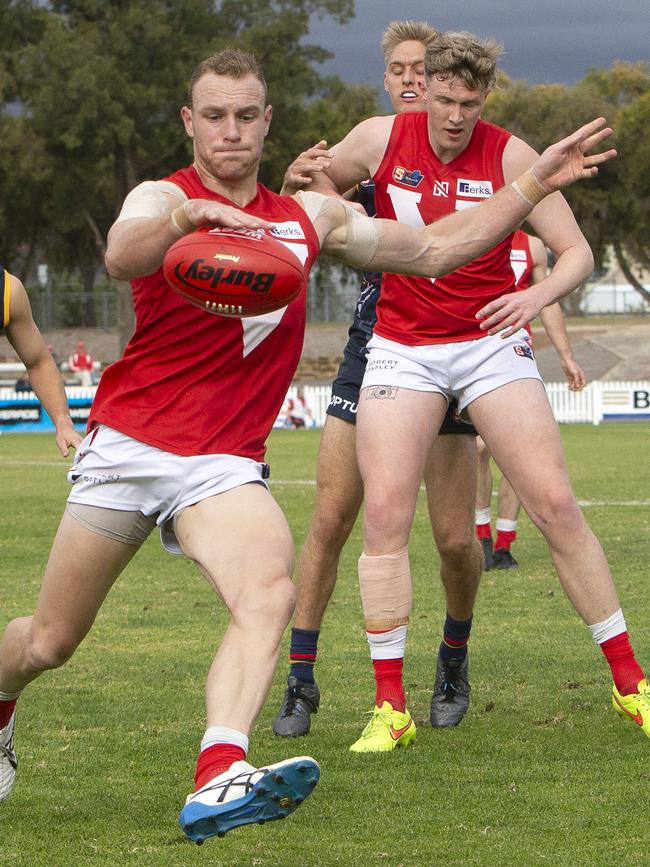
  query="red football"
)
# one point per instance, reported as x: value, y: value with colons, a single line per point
x: 234, y: 272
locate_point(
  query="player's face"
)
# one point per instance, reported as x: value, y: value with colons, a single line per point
x: 404, y: 77
x: 454, y: 111
x: 228, y: 122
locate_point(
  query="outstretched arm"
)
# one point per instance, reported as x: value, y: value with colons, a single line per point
x: 460, y: 237
x: 44, y: 375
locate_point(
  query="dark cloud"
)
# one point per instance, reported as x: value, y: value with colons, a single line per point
x: 550, y: 41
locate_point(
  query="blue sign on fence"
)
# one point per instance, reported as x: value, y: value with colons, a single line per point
x: 23, y: 412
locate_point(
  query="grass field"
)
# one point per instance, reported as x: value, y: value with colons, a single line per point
x: 541, y: 771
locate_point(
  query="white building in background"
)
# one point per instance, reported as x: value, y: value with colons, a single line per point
x: 611, y: 293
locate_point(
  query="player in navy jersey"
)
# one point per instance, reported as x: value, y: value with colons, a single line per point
x: 461, y: 336
x: 450, y: 475
x: 177, y: 435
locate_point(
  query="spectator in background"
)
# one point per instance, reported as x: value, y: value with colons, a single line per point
x: 298, y: 411
x: 81, y: 362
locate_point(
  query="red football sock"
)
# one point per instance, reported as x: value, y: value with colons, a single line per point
x: 483, y: 531
x: 215, y: 760
x: 388, y: 677
x: 6, y: 710
x: 505, y: 538
x: 626, y: 671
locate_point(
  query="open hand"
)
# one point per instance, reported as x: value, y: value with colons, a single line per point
x: 567, y: 161
x: 300, y: 172
x: 205, y: 212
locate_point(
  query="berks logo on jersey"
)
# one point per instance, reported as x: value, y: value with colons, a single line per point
x: 523, y: 350
x: 291, y: 230
x: 517, y: 255
x: 441, y: 188
x: 409, y: 179
x: 473, y: 189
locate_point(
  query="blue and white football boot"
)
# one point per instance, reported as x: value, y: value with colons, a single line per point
x: 244, y: 795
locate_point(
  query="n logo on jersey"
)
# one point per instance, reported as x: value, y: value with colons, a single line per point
x: 441, y: 188
x: 409, y: 179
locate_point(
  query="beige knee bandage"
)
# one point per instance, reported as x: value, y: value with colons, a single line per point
x: 386, y: 594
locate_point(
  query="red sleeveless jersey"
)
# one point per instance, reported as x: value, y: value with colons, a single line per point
x: 521, y: 259
x: 521, y: 262
x: 193, y: 383
x: 413, y: 186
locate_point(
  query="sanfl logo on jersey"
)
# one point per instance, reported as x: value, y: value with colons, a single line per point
x: 441, y: 188
x: 409, y: 179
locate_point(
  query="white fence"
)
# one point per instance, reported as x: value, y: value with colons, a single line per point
x: 599, y: 401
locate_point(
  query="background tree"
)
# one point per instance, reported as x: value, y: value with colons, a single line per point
x: 101, y: 85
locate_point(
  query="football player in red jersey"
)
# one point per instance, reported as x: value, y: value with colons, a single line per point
x: 450, y: 474
x: 461, y: 336
x: 178, y: 427
x: 529, y: 261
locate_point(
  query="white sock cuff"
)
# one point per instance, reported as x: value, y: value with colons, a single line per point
x: 9, y: 696
x: 609, y: 628
x: 506, y: 525
x: 388, y: 645
x: 222, y: 735
x: 482, y: 516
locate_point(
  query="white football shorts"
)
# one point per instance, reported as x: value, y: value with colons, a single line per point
x: 463, y: 370
x: 114, y: 471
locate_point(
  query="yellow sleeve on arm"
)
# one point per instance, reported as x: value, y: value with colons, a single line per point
x: 5, y: 297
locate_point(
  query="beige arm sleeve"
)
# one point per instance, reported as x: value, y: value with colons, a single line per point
x: 361, y: 237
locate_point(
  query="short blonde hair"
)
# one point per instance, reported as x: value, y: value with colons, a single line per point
x: 405, y: 31
x: 463, y: 55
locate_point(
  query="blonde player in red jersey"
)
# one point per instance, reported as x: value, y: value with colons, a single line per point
x: 178, y: 427
x: 449, y: 476
x: 529, y: 262
x: 462, y: 336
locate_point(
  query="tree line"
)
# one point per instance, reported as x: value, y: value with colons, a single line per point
x: 90, y: 93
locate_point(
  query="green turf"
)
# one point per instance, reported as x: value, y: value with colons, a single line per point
x: 540, y: 772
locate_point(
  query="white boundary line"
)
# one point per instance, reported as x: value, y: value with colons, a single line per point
x: 310, y: 483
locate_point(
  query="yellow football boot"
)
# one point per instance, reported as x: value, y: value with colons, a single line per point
x: 387, y: 730
x: 636, y: 706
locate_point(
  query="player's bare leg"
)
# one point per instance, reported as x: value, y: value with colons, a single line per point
x: 339, y: 494
x: 80, y: 571
x: 241, y: 542
x: 533, y: 462
x: 395, y: 430
x: 483, y: 512
x: 394, y: 422
x: 450, y: 477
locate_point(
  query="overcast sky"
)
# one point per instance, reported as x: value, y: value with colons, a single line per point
x: 547, y: 41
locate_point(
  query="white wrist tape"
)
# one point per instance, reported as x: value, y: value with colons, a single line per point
x: 530, y: 188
